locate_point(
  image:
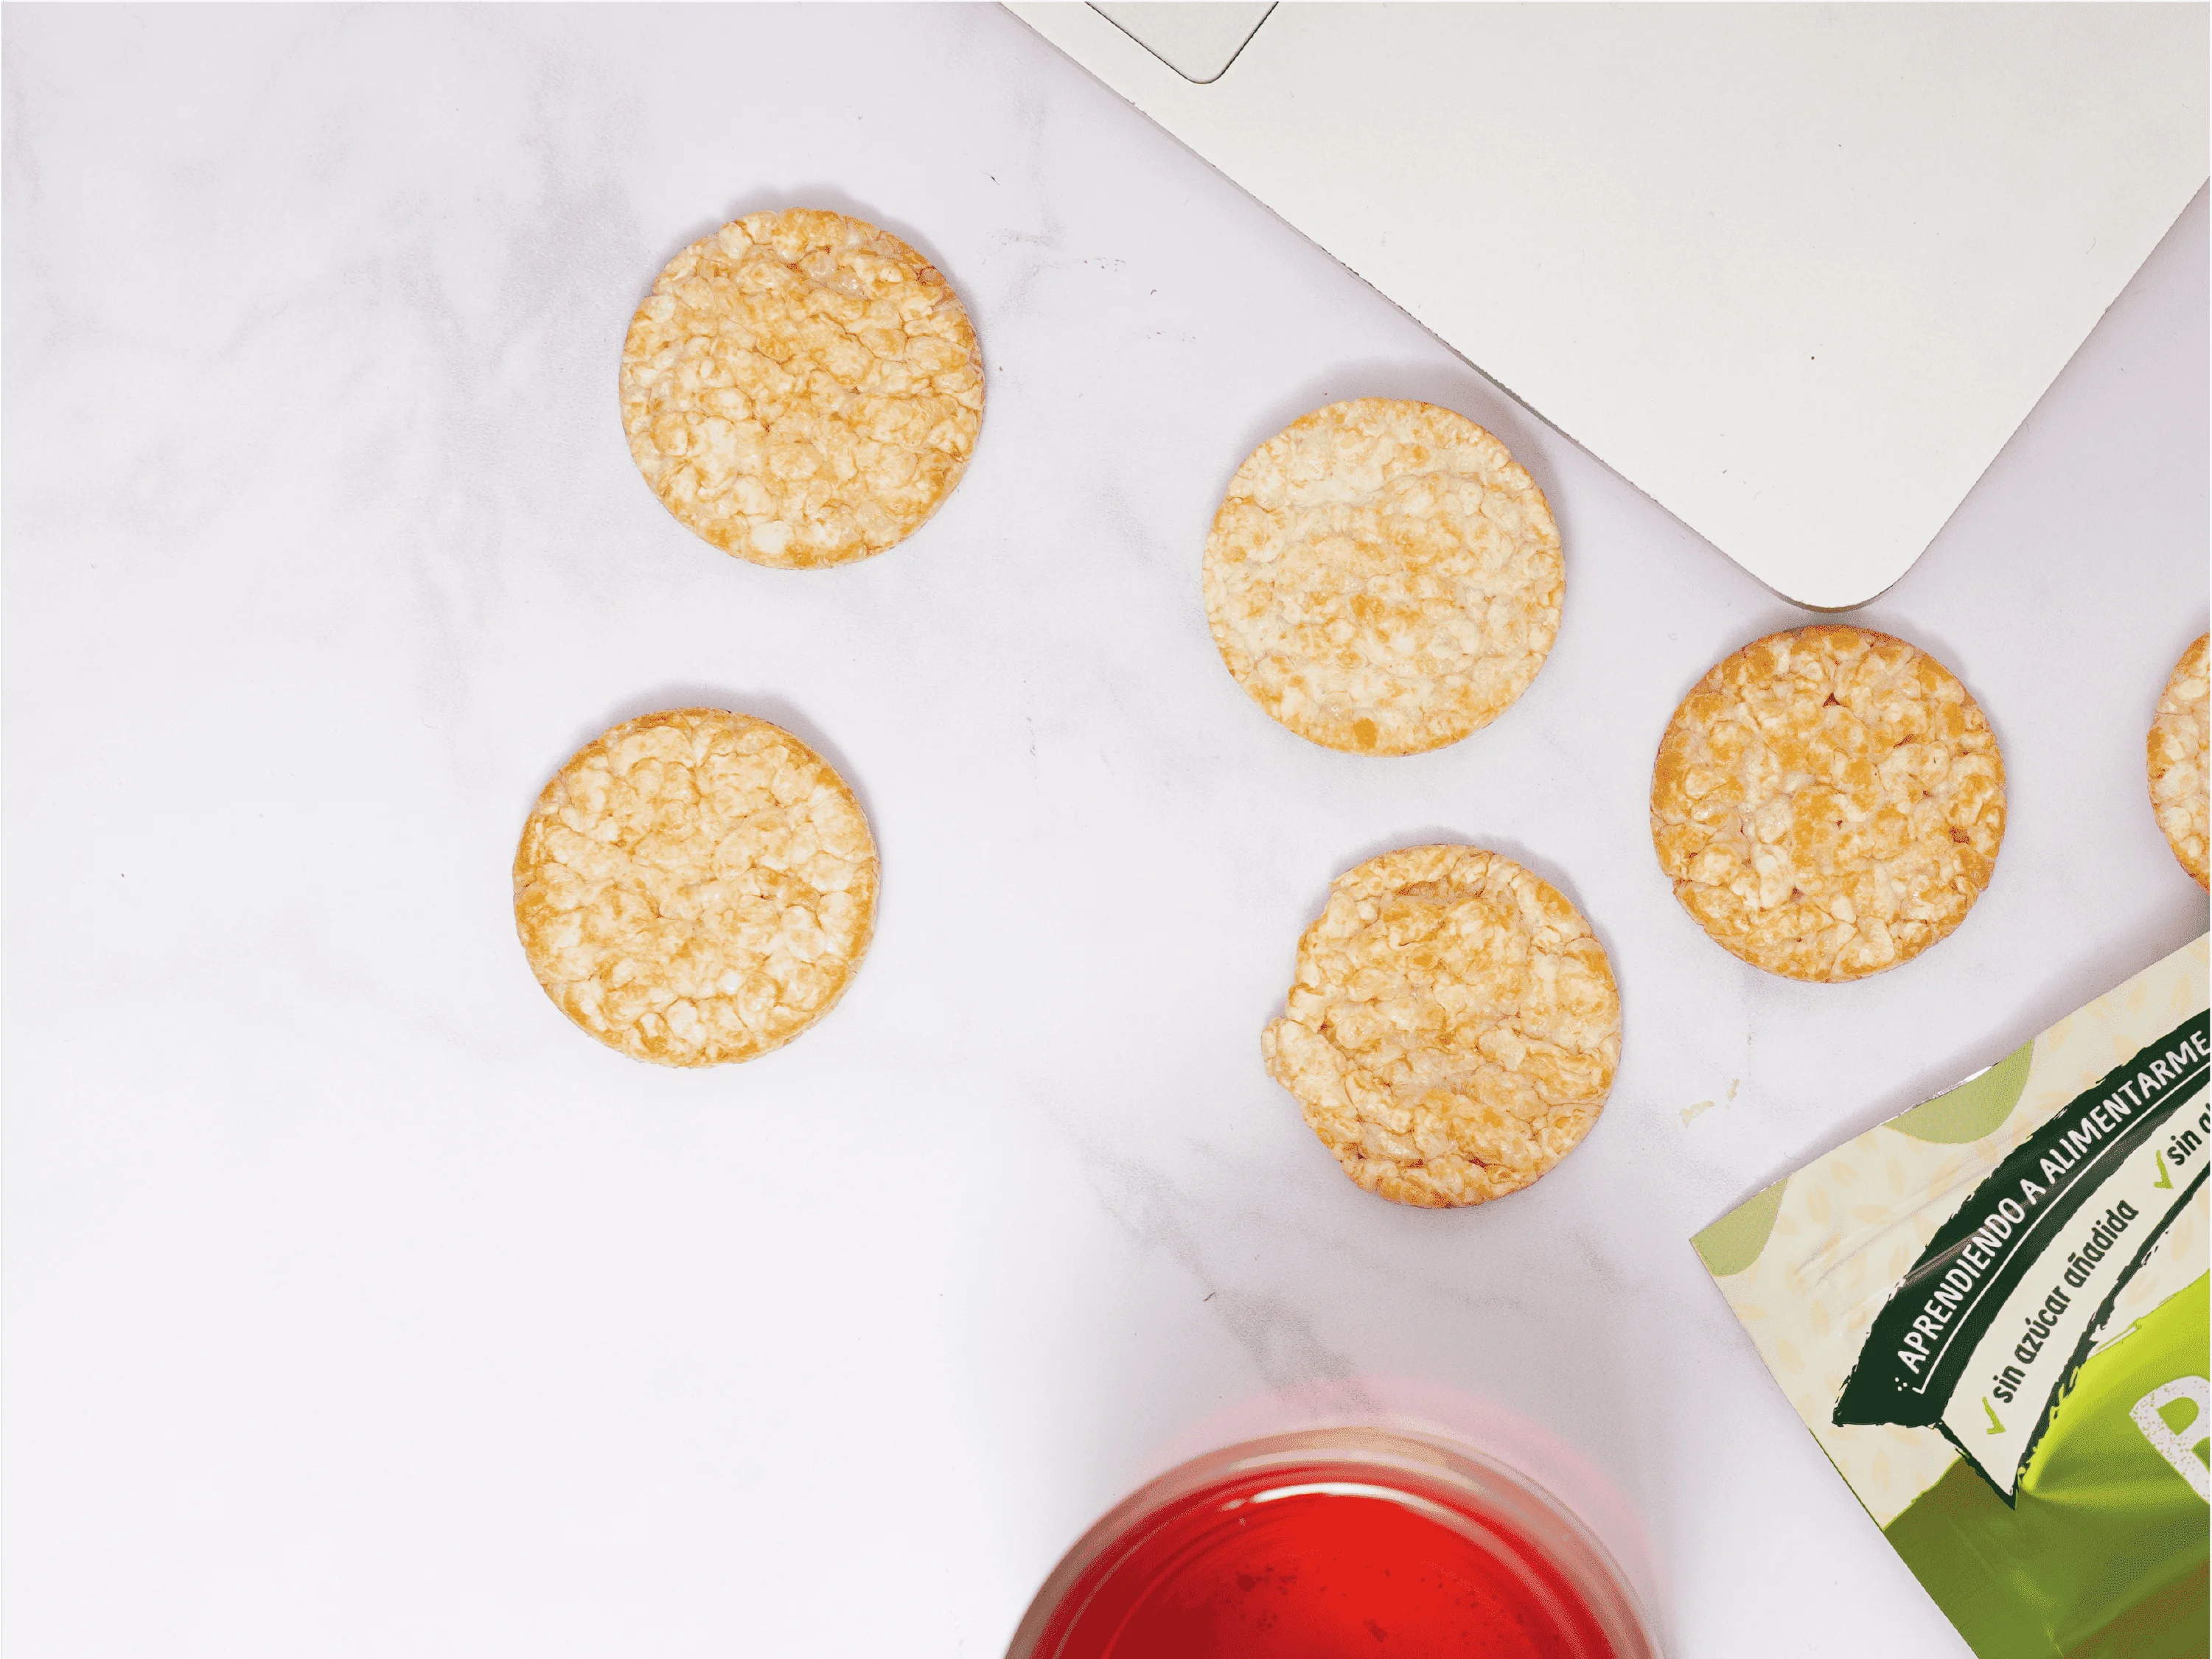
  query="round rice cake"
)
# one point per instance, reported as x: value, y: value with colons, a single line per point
x: 1383, y: 577
x: 695, y: 887
x: 1828, y: 803
x: 801, y: 388
x: 1454, y: 1028
x: 2175, y: 753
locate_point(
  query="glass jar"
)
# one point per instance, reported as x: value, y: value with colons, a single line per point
x: 1336, y: 1541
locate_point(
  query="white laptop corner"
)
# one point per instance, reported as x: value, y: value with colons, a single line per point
x: 1796, y: 271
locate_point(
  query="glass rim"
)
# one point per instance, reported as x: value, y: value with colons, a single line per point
x: 1491, y: 1488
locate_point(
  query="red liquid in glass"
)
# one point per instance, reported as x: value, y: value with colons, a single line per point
x: 1321, y: 1561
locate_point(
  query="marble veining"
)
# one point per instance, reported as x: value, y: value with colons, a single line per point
x: 356, y: 1303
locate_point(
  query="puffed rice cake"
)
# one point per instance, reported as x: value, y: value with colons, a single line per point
x: 801, y: 388
x: 1828, y: 803
x: 1454, y: 1028
x: 695, y: 887
x: 2176, y: 759
x: 1383, y: 577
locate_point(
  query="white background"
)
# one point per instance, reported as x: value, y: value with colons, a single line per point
x: 357, y: 1305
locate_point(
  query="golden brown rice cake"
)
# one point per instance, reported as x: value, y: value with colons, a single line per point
x: 801, y: 388
x: 1383, y: 577
x: 695, y: 887
x: 1454, y: 1028
x: 1828, y: 803
x: 2176, y: 750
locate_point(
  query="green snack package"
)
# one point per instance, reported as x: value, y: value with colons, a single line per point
x: 1990, y: 1312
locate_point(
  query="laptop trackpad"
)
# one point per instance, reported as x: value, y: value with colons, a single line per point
x: 1196, y: 39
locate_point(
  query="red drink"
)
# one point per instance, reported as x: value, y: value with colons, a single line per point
x: 1325, y: 1546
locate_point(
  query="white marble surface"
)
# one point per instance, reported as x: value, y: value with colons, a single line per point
x: 357, y: 1305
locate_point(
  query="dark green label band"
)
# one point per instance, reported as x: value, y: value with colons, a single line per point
x: 1918, y: 1344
